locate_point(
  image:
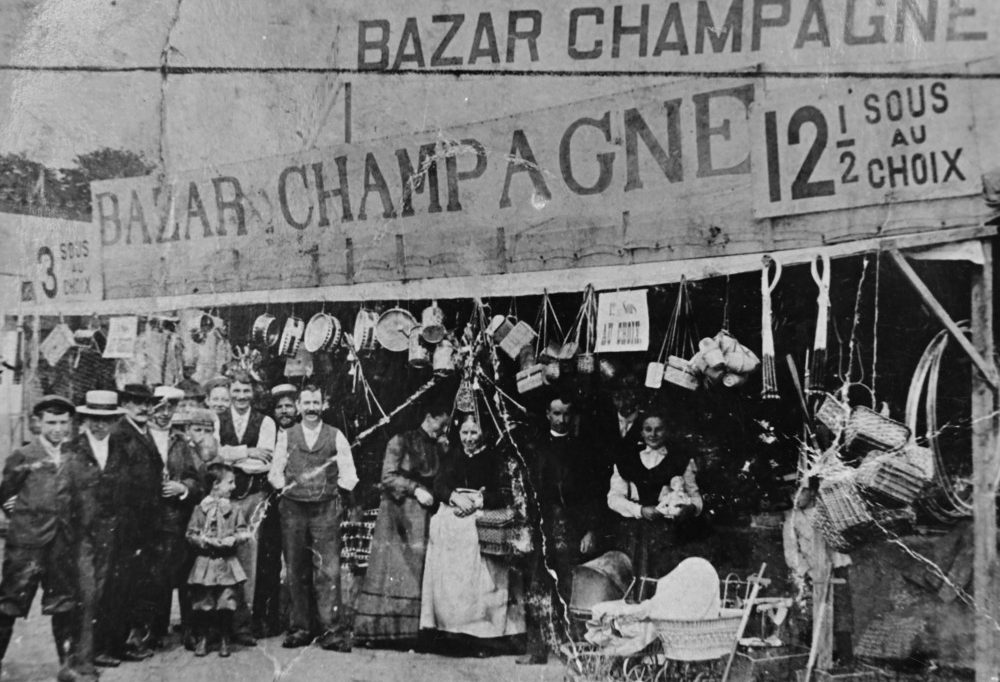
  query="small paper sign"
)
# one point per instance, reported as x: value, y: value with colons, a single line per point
x: 56, y: 344
x: 622, y: 321
x: 122, y: 334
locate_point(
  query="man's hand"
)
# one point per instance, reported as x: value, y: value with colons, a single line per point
x: 650, y: 513
x: 260, y: 453
x: 173, y: 489
x: 589, y: 543
x: 8, y: 506
x: 423, y: 496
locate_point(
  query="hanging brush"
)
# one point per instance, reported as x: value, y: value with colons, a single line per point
x: 769, y: 388
x: 815, y: 386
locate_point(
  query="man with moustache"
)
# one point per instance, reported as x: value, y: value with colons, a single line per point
x: 34, y: 552
x: 246, y: 438
x: 93, y: 494
x: 315, y: 461
x: 141, y: 526
x: 180, y: 491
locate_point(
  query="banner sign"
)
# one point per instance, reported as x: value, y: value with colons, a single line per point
x: 652, y: 174
x: 841, y: 144
x: 60, y: 260
x: 676, y: 36
x: 622, y: 321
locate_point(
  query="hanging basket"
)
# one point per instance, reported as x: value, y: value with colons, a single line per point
x: 868, y: 430
x: 833, y: 414
x: 890, y: 480
x: 842, y: 515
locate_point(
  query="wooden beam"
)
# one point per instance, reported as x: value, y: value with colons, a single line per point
x: 985, y: 368
x: 984, y: 467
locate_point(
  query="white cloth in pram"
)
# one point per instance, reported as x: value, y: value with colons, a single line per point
x: 689, y: 592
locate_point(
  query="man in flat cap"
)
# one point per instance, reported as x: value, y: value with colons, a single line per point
x: 36, y: 551
x: 93, y: 489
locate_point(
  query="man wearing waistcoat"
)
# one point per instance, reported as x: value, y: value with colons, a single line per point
x: 247, y: 437
x: 315, y: 461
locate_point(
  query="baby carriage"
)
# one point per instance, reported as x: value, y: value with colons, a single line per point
x: 657, y: 640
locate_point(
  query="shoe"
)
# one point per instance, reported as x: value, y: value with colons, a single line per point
x: 107, y: 661
x: 135, y: 655
x: 335, y: 641
x: 201, y: 648
x: 244, y: 639
x: 224, y: 647
x: 532, y: 659
x: 67, y: 674
x: 190, y: 641
x: 296, y: 638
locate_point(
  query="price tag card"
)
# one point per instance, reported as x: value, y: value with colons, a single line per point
x: 55, y: 345
x: 622, y: 321
x: 844, y: 143
x: 122, y: 334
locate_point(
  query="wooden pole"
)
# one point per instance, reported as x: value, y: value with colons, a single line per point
x: 985, y: 366
x: 984, y: 473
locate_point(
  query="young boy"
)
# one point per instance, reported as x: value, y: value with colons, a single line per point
x: 217, y: 527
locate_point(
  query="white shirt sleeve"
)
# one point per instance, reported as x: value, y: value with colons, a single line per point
x: 276, y: 476
x: 618, y: 498
x: 268, y: 435
x: 347, y: 475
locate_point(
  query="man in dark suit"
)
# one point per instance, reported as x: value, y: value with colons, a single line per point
x: 570, y: 515
x: 247, y: 438
x: 92, y: 492
x: 35, y: 551
x: 140, y: 529
x: 180, y: 491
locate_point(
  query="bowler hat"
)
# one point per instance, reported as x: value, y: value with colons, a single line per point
x: 54, y: 402
x: 136, y: 393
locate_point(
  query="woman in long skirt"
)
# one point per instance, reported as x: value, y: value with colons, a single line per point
x: 388, y: 606
x: 465, y: 592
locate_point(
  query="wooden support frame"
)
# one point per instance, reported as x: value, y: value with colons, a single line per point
x: 985, y: 367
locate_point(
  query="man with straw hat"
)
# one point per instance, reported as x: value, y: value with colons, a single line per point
x: 34, y: 552
x: 91, y: 483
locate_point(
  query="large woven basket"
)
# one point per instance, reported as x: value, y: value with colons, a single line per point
x: 868, y: 430
x: 503, y: 533
x: 842, y: 516
x: 833, y: 414
x: 890, y: 480
x: 699, y: 640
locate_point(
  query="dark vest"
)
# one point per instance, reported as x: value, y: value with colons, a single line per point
x: 302, y: 460
x: 245, y: 484
x: 649, y: 482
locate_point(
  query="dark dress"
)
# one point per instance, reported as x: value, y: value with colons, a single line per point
x: 389, y: 604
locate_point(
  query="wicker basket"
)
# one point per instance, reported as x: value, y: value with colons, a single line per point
x: 890, y: 480
x: 699, y: 640
x: 502, y: 533
x: 833, y: 414
x: 868, y: 430
x: 842, y: 516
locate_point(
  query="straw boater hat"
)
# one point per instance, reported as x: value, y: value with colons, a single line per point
x: 48, y: 401
x: 282, y: 390
x: 100, y: 404
x: 167, y: 393
x: 136, y: 393
x: 193, y: 415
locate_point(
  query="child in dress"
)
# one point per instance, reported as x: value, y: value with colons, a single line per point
x: 216, y: 579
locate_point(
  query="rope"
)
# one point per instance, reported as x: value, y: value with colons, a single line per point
x: 854, y: 324
x: 878, y: 279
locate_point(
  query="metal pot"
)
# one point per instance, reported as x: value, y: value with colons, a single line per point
x: 394, y: 328
x: 432, y: 323
x: 291, y: 337
x: 364, y: 330
x: 444, y: 357
x: 264, y: 332
x: 322, y: 333
x: 420, y: 354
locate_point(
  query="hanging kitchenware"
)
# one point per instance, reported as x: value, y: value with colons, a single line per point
x: 679, y: 342
x: 420, y: 352
x: 300, y: 364
x: 395, y: 329
x: 322, y: 333
x: 583, y: 344
x: 432, y: 324
x: 769, y: 388
x: 90, y: 338
x: 291, y: 337
x: 364, y: 331
x: 264, y: 332
x: 443, y: 360
x: 530, y: 378
x: 815, y: 384
x: 549, y: 342
x: 465, y: 398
